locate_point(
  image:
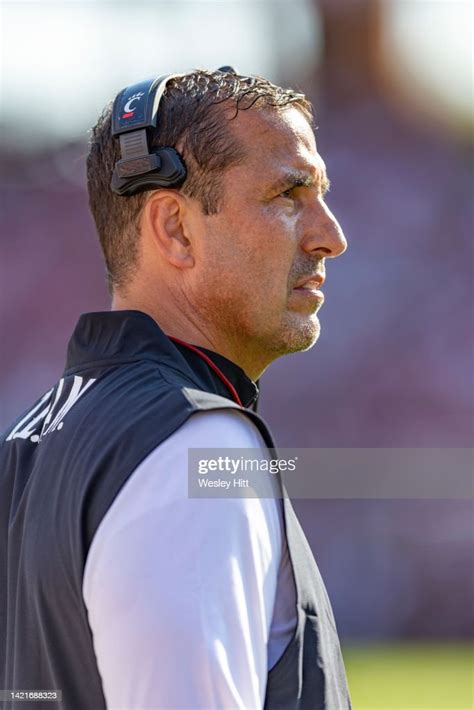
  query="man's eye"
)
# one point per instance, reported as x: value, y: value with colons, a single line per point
x: 287, y: 193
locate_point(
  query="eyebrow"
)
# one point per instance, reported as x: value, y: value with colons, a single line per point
x: 302, y: 179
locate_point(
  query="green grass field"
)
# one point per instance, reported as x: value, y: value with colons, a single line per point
x: 410, y: 676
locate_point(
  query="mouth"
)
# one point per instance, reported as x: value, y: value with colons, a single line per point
x: 311, y: 282
x: 309, y: 287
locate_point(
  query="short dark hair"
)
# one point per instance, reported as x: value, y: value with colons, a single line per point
x: 190, y: 112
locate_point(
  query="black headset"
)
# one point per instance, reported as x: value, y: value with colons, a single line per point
x: 133, y: 115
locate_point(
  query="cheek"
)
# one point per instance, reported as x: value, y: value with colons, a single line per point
x: 271, y: 237
x: 250, y: 257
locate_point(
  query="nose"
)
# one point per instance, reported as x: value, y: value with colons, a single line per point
x: 323, y: 233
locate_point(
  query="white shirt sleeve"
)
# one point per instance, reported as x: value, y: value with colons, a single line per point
x: 180, y: 592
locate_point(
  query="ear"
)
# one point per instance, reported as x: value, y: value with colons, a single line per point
x: 165, y: 223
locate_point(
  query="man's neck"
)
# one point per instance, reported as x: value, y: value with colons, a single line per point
x: 192, y: 332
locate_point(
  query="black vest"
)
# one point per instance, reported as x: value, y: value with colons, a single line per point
x: 125, y: 389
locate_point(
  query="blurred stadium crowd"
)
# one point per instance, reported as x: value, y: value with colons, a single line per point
x: 393, y: 367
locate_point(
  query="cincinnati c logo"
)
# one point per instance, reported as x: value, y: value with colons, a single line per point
x: 128, y: 109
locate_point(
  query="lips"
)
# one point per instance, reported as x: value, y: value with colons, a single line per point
x: 311, y: 282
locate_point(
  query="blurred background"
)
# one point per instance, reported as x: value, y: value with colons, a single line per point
x: 392, y: 85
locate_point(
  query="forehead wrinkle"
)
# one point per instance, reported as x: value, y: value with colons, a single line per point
x: 275, y: 132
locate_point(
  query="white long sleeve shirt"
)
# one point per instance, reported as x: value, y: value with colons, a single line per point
x: 190, y: 601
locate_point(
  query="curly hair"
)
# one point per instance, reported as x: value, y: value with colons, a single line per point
x: 192, y: 113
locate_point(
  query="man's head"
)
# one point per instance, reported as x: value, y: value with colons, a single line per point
x: 217, y: 260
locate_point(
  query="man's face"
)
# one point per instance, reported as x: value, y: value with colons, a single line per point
x: 272, y: 233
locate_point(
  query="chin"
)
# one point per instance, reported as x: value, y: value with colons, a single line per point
x: 298, y: 337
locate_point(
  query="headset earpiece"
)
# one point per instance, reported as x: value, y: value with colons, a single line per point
x: 139, y: 169
x: 133, y: 115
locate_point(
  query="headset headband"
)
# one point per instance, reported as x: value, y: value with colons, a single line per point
x: 134, y: 113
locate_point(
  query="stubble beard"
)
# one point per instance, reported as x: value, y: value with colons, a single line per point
x: 297, y: 333
x: 260, y: 341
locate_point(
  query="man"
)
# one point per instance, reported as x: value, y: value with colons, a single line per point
x: 121, y: 591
